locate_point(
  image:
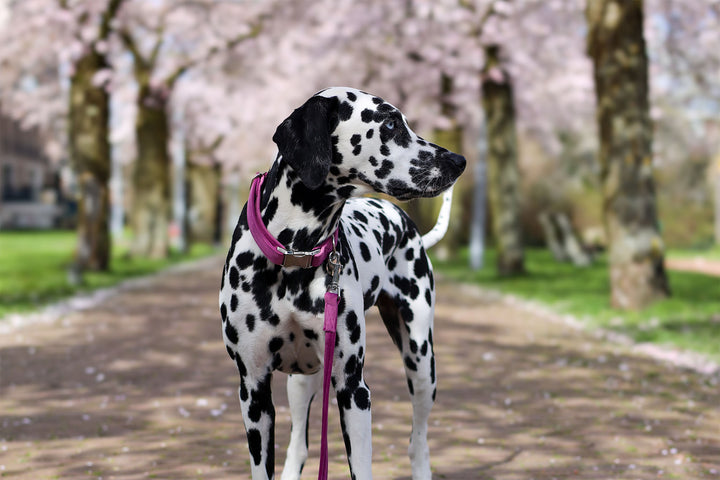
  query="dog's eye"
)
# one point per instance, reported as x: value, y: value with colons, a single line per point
x: 390, y: 124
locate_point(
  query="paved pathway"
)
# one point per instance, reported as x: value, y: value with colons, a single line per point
x: 141, y: 387
x: 695, y: 264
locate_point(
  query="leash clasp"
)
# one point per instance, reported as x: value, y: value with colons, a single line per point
x: 334, y: 269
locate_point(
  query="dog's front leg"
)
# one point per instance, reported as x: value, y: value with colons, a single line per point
x: 259, y: 418
x: 300, y: 389
x: 353, y: 394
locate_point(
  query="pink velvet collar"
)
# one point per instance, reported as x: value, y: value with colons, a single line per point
x: 271, y: 247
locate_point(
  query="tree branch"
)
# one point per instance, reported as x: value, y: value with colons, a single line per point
x: 130, y: 44
x: 229, y: 45
x: 107, y: 17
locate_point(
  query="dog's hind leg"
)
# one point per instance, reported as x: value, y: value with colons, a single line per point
x: 410, y: 322
x: 301, y: 390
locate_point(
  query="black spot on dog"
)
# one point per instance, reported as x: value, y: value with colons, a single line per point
x: 410, y: 387
x: 410, y: 364
x: 351, y: 320
x: 355, y: 139
x: 346, y: 191
x: 356, y: 230
x: 244, y: 260
x: 270, y: 211
x: 377, y: 100
x: 365, y: 252
x: 428, y: 297
x: 424, y: 348
x: 357, y: 149
x: 311, y: 334
x: 413, y: 346
x: 406, y: 286
x: 373, y: 161
x: 286, y: 236
x: 234, y: 278
x: 384, y: 170
x: 384, y: 221
x: 240, y: 366
x: 421, y: 267
x: 391, y: 264
x: 223, y: 312
x: 231, y: 333
x: 378, y: 236
x: 254, y: 445
x: 351, y: 96
x: 355, y: 333
x: 233, y: 302
x: 362, y: 398
x: 250, y: 322
x: 385, y: 150
x: 409, y: 254
x: 346, y: 437
x: 395, y: 185
x: 360, y: 217
x: 230, y: 352
x: 345, y: 111
x: 367, y: 115
x: 369, y: 134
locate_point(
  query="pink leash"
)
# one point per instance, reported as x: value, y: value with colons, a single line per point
x: 330, y: 327
x: 279, y: 255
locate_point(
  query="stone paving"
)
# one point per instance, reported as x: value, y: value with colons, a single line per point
x: 140, y: 386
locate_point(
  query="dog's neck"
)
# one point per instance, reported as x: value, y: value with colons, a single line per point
x: 298, y: 217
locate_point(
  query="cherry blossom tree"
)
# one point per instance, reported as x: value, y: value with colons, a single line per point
x: 685, y: 87
x: 166, y: 40
x: 617, y: 46
x: 80, y: 30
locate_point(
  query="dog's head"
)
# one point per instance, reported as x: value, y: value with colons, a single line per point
x: 358, y: 142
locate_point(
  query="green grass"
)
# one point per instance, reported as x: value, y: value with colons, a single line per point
x: 33, y: 268
x: 690, y: 319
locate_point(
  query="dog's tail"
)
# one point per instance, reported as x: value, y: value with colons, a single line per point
x: 441, y: 226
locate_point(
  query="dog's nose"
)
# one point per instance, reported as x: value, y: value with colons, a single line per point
x: 458, y: 161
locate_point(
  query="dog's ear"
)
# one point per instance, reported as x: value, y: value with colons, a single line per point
x: 304, y: 139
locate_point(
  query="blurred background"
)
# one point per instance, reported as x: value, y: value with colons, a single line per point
x: 129, y: 131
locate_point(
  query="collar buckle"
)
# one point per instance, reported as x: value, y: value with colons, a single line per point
x: 293, y: 258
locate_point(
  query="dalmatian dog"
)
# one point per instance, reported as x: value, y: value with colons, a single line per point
x: 342, y: 143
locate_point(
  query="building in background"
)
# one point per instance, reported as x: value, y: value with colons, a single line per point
x: 30, y: 194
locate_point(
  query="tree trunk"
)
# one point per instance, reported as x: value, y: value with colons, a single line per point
x: 151, y: 176
x: 90, y: 154
x: 617, y: 48
x: 425, y: 211
x: 715, y: 176
x: 204, y: 199
x: 553, y: 240
x: 503, y: 171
